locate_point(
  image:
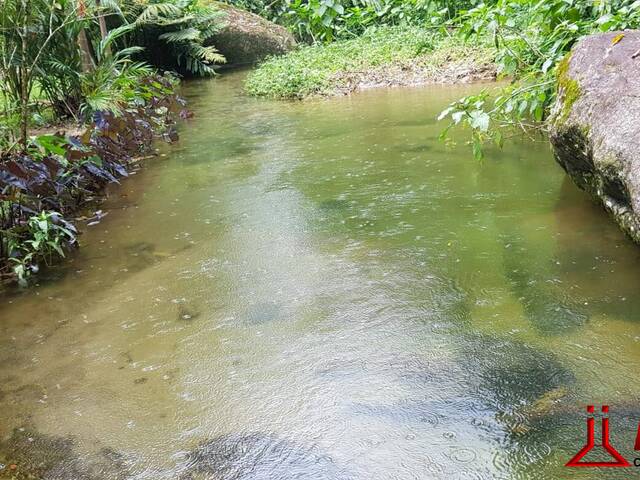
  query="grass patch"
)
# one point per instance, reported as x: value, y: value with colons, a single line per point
x: 385, y: 56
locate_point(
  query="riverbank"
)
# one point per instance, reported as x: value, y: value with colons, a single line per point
x: 58, y: 175
x: 383, y: 57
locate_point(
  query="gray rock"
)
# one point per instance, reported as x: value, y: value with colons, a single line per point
x: 248, y: 38
x: 595, y: 124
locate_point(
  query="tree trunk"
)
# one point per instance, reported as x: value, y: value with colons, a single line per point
x: 104, y: 31
x: 86, y: 57
x: 24, y: 78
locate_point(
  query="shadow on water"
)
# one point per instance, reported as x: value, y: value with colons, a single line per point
x: 413, y: 148
x: 599, y: 265
x: 509, y: 373
x: 504, y: 378
x: 260, y: 313
x: 333, y: 204
x: 544, y: 300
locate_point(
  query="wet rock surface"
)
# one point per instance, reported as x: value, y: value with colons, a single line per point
x: 596, y: 123
x: 248, y: 38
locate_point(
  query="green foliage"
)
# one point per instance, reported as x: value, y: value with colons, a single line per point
x: 266, y: 8
x: 308, y: 70
x: 175, y: 34
x: 111, y: 85
x: 531, y: 38
x: 326, y: 20
x: 40, y: 60
x: 41, y: 63
x: 42, y: 237
x: 57, y: 174
x: 48, y: 145
x: 56, y: 74
x: 105, y: 90
x: 315, y: 69
x: 38, y: 48
x: 54, y: 57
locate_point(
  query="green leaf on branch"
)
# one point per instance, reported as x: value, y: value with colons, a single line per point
x: 478, y: 119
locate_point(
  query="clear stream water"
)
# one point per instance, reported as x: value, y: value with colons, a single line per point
x: 324, y: 290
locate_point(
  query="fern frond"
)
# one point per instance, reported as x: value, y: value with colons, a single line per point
x: 128, y: 52
x: 210, y: 54
x: 175, y: 22
x: 102, y: 100
x: 156, y: 11
x: 62, y: 68
x: 187, y: 34
x: 209, y: 31
x: 184, y: 26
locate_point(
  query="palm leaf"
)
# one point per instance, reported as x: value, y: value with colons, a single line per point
x: 111, y: 37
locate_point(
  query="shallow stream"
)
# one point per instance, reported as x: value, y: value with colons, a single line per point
x: 324, y: 290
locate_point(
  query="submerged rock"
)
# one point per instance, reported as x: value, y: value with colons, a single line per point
x: 258, y: 456
x: 187, y: 313
x: 519, y: 421
x: 248, y: 38
x: 596, y: 122
x: 29, y: 454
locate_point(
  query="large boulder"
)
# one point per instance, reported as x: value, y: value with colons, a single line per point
x: 247, y: 38
x: 596, y: 122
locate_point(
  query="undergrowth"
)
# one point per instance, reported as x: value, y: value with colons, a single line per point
x: 55, y: 176
x: 316, y: 69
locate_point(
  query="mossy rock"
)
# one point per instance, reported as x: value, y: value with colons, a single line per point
x: 595, y: 124
x: 247, y: 38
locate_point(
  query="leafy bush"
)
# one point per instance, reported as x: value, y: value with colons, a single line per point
x: 531, y: 38
x: 55, y: 175
x: 38, y: 46
x: 326, y: 20
x: 61, y: 57
x: 115, y: 80
x: 61, y: 54
x: 41, y: 237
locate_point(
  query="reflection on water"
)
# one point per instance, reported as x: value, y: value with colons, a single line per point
x: 324, y: 291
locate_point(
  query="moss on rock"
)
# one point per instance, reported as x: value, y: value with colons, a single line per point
x: 568, y: 90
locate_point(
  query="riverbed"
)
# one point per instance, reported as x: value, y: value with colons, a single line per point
x: 324, y: 290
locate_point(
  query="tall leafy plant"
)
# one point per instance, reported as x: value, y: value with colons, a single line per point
x: 33, y: 33
x: 113, y: 83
